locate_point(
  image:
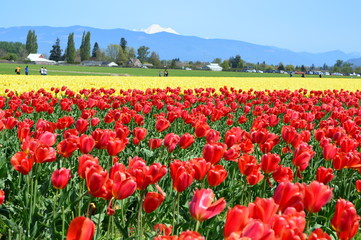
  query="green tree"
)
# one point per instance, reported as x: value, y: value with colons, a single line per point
x: 240, y: 64
x: 31, y: 42
x: 234, y: 61
x: 122, y: 58
x: 143, y: 53
x: 123, y: 44
x: 290, y: 68
x: 225, y: 65
x: 303, y: 68
x: 281, y: 67
x: 85, y: 46
x: 112, y: 52
x: 154, y: 59
x: 55, y: 53
x: 70, y: 52
x: 217, y: 60
x: 346, y: 67
x: 338, y: 63
x: 131, y: 53
x: 358, y: 69
x: 95, y: 50
x: 16, y: 48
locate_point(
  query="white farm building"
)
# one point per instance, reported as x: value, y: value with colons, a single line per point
x: 214, y: 67
x: 39, y: 59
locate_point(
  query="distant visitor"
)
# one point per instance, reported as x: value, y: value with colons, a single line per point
x: 17, y: 70
x: 26, y: 70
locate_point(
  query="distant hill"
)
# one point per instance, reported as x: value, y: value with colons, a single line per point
x: 170, y: 46
x: 355, y: 61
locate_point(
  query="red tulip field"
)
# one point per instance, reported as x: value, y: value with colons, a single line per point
x: 180, y: 164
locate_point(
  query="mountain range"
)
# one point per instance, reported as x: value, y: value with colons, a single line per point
x: 169, y: 45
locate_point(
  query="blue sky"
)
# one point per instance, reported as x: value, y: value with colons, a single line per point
x: 306, y: 25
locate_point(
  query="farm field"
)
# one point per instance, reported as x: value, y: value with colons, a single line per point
x: 144, y: 157
x: 24, y: 83
x: 8, y: 69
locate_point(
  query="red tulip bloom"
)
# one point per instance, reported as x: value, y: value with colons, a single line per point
x: 255, y: 176
x: 263, y: 209
x: 152, y: 201
x: 22, y: 163
x: 140, y: 133
x: 282, y: 174
x: 67, y: 147
x: 182, y: 174
x: 259, y: 136
x: 186, y: 140
x: 269, y: 162
x: 123, y: 184
x: 60, y: 178
x: 43, y: 154
x: 316, y: 195
x: 154, y: 143
x: 64, y: 122
x: 94, y: 121
x: 289, y: 225
x: 232, y: 153
x: 85, y: 162
x: 10, y: 122
x: 302, y: 156
x: 212, y: 136
x: 81, y: 228
x: 121, y: 130
x: 324, y: 175
x: 81, y: 125
x: 216, y: 175
x: 139, y: 119
x: 2, y: 196
x: 161, y: 124
x: 256, y: 229
x: 345, y: 221
x: 23, y: 130
x: 201, y: 129
x: 145, y: 175
x: 246, y: 164
x: 358, y: 185
x: 319, y: 234
x: 329, y: 151
x: 190, y: 235
x: 237, y: 218
x: 86, y: 144
x: 116, y: 145
x: 348, y: 144
x: 287, y: 195
x: 170, y: 141
x: 201, y: 167
x: 96, y: 179
x: 202, y: 206
x: 213, y: 152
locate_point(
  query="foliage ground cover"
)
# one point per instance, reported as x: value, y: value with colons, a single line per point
x: 83, y: 70
x: 121, y: 158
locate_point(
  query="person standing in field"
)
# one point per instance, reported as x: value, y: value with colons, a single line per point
x: 26, y: 70
x: 17, y: 70
x: 41, y: 71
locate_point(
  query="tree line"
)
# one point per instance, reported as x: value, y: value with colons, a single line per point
x: 121, y: 54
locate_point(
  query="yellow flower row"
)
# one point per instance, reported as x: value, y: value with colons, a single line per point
x: 27, y: 83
